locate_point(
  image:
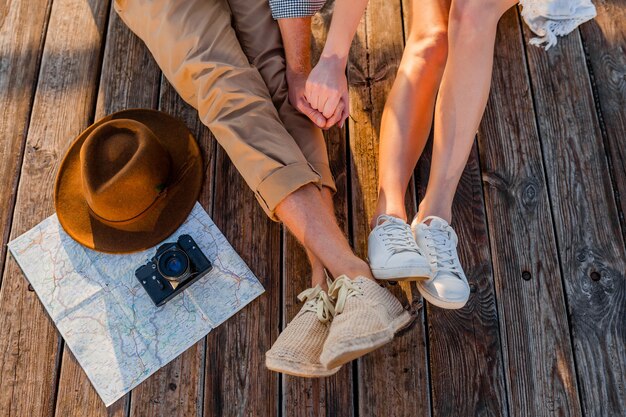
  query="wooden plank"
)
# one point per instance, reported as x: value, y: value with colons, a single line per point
x: 373, y: 63
x: 177, y: 389
x: 590, y: 245
x: 304, y: 397
x: 236, y: 380
x: 475, y: 384
x: 63, y: 106
x: 464, y: 345
x: 21, y: 45
x: 539, y: 363
x: 604, y: 40
x: 129, y: 78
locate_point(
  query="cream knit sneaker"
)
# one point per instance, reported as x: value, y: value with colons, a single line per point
x: 297, y: 349
x: 366, y: 317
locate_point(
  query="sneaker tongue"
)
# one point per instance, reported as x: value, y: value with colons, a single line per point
x: 383, y: 218
x: 436, y: 222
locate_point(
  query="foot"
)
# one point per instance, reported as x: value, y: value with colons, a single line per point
x: 366, y: 317
x: 393, y: 253
x: 297, y: 349
x: 437, y: 240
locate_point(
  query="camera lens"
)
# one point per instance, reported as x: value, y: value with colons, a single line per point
x: 173, y: 264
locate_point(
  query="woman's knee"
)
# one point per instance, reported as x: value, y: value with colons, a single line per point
x: 478, y: 14
x: 430, y: 45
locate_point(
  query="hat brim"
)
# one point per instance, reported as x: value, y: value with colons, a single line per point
x: 163, y: 218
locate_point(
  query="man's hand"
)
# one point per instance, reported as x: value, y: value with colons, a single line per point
x: 296, y: 82
x: 326, y: 91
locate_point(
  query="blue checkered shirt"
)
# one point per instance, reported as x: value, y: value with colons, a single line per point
x: 284, y: 9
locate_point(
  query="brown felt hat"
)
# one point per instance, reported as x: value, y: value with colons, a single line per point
x: 128, y: 181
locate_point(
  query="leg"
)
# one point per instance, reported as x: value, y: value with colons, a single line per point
x: 462, y: 98
x: 460, y: 105
x: 266, y: 53
x: 198, y: 51
x: 408, y: 113
x: 392, y: 252
x: 313, y: 224
x: 250, y: 18
x: 318, y: 274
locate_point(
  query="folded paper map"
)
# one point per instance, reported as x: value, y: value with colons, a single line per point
x: 108, y: 321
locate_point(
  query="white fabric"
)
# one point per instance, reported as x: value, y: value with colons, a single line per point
x: 552, y: 18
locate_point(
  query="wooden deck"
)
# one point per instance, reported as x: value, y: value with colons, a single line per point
x: 540, y: 215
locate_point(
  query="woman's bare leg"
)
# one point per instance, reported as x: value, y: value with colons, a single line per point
x: 408, y: 112
x: 462, y: 98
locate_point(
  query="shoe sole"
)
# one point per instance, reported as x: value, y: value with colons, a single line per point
x: 438, y: 302
x: 402, y: 274
x: 298, y: 369
x: 373, y: 342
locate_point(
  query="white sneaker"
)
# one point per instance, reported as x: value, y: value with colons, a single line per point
x: 437, y: 240
x: 393, y: 253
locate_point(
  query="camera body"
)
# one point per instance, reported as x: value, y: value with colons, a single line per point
x: 175, y: 266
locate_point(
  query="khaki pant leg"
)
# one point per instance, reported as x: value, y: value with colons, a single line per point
x: 196, y: 47
x: 260, y: 40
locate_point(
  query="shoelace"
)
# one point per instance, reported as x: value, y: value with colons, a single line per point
x: 398, y: 237
x: 342, y: 289
x: 318, y: 301
x: 444, y: 250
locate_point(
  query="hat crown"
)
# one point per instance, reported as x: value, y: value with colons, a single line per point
x: 124, y: 169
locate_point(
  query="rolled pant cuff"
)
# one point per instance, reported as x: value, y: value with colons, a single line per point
x: 284, y: 181
x: 327, y: 177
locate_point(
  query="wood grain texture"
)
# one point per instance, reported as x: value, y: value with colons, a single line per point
x: 21, y: 44
x: 539, y: 363
x: 309, y: 397
x: 236, y: 380
x: 604, y: 41
x: 465, y: 350
x: 590, y: 245
x: 129, y: 79
x: 392, y: 381
x: 62, y: 108
x: 464, y: 345
x: 77, y: 397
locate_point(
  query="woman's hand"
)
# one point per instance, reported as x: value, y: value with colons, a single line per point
x: 326, y: 90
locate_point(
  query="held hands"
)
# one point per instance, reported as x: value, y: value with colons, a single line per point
x: 321, y: 95
x: 326, y: 91
x: 325, y: 88
x: 296, y: 82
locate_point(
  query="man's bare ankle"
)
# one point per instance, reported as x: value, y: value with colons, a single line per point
x: 355, y: 268
x: 318, y: 277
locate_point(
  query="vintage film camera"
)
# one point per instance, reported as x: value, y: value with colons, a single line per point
x: 175, y: 266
